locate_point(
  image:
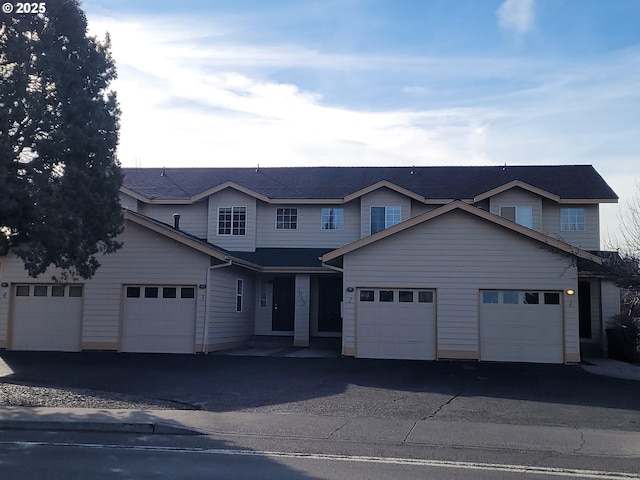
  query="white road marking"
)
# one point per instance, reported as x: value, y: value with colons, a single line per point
x: 496, y: 467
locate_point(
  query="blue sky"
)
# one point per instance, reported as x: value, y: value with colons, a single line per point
x: 379, y: 82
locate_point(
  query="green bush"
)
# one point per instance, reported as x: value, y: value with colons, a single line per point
x: 623, y: 338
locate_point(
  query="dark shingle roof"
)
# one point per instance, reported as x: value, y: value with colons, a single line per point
x: 566, y: 181
x: 284, y: 257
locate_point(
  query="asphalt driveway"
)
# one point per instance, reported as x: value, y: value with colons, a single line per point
x: 524, y: 394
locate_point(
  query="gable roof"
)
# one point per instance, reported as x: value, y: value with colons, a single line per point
x: 575, y: 182
x: 459, y: 205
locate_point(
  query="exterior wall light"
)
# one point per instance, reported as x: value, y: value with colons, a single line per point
x: 571, y: 292
x: 202, y: 286
x: 4, y: 284
x: 350, y: 289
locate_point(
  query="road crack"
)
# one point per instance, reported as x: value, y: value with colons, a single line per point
x: 430, y: 416
x: 346, y: 422
x: 439, y: 409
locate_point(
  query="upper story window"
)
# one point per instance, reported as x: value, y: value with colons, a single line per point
x: 286, y: 218
x: 572, y: 220
x: 522, y: 215
x: 384, y: 217
x: 332, y: 219
x: 232, y: 221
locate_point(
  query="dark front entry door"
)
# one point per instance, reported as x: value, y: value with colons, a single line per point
x: 329, y: 298
x: 584, y: 309
x: 282, y: 313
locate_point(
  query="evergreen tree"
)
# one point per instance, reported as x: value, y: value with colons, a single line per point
x: 59, y: 175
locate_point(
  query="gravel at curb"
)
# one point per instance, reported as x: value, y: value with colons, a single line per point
x: 18, y: 395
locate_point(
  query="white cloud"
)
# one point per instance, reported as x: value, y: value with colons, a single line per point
x: 516, y: 15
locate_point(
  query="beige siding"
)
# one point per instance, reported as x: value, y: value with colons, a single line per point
x: 146, y: 258
x: 228, y: 327
x: 383, y: 197
x: 518, y: 197
x: 309, y: 233
x: 458, y: 254
x: 232, y: 198
x: 418, y: 208
x: 128, y: 202
x: 193, y: 218
x: 587, y: 240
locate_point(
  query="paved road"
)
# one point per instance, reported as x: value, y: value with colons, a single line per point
x: 521, y: 394
x: 91, y: 455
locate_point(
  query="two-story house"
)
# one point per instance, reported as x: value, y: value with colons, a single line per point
x: 485, y: 263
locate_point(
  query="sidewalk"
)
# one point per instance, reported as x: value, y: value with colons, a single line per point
x: 611, y: 368
x: 370, y: 430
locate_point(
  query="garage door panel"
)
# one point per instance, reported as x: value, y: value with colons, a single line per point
x: 400, y: 330
x: 521, y: 332
x: 158, y: 324
x: 51, y: 321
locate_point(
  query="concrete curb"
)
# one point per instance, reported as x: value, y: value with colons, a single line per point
x: 104, y: 427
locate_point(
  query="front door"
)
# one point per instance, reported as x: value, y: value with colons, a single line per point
x: 584, y: 309
x: 329, y: 298
x: 283, y: 310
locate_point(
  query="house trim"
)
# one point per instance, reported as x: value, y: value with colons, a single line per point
x: 460, y: 205
x: 516, y: 184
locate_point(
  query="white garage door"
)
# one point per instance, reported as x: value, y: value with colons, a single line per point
x: 47, y: 317
x: 396, y: 323
x: 521, y: 326
x: 159, y: 319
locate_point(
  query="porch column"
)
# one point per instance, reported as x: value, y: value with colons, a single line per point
x: 301, y: 320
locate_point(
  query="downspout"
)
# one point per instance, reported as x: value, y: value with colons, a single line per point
x: 207, y: 304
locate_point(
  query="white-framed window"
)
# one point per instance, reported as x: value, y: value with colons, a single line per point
x: 232, y: 221
x: 522, y: 215
x: 239, y: 294
x: 384, y: 217
x: 286, y: 218
x: 572, y: 220
x: 332, y: 219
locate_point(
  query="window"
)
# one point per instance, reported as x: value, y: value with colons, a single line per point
x: 531, y: 298
x: 132, y: 292
x: 151, y: 292
x: 22, y: 291
x: 405, y: 296
x: 386, y: 295
x: 332, y: 219
x: 425, y: 297
x: 522, y: 215
x: 57, y: 290
x: 384, y: 217
x: 75, y: 291
x: 169, y: 292
x: 286, y: 218
x: 40, y: 291
x: 232, y: 221
x: 239, y: 294
x: 366, y: 295
x: 572, y: 220
x: 489, y: 297
x: 187, y: 292
x: 510, y: 297
x: 552, y: 298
